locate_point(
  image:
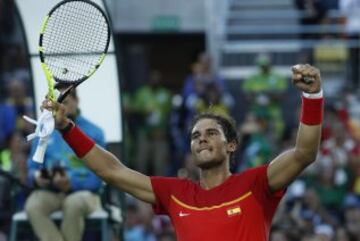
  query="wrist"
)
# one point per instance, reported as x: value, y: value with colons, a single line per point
x: 312, y: 110
x: 317, y: 95
x: 78, y: 141
x: 66, y: 126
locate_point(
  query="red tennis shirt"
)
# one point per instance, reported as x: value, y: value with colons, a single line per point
x: 240, y: 209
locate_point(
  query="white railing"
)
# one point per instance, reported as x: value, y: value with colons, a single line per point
x: 216, y: 12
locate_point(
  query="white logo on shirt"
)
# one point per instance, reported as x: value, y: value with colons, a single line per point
x: 181, y: 214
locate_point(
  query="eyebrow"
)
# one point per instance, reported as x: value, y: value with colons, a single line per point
x: 212, y: 129
x: 207, y: 130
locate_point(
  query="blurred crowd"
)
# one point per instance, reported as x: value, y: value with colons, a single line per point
x: 322, y: 205
x: 15, y: 101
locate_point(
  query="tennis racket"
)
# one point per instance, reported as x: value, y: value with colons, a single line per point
x: 74, y: 40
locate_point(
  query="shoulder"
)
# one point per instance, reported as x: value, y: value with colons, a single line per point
x: 255, y: 171
x: 251, y: 175
x: 171, y: 185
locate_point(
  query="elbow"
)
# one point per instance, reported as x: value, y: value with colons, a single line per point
x: 306, y: 157
x: 108, y: 175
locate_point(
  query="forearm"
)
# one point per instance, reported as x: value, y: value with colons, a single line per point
x: 103, y: 164
x: 309, y: 133
x: 112, y: 171
x: 108, y: 167
x: 307, y: 143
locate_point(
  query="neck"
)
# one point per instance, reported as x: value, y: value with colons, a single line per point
x: 210, y: 178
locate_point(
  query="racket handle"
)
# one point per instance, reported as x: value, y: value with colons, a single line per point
x: 64, y: 94
x: 40, y: 151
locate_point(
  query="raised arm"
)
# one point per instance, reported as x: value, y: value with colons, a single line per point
x: 288, y: 165
x: 101, y: 162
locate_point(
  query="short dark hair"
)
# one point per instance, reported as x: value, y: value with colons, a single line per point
x: 227, y: 124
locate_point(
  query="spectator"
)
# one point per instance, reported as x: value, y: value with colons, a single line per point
x: 152, y: 103
x: 177, y: 134
x: 15, y: 65
x: 168, y: 236
x: 330, y: 183
x: 63, y: 184
x: 13, y: 161
x: 195, y: 87
x: 202, y: 74
x: 214, y: 101
x: 352, y: 217
x: 13, y: 190
x: 134, y: 230
x: 257, y: 147
x: 265, y: 91
x: 278, y: 235
x: 7, y: 123
x: 314, y: 13
x: 324, y: 232
x: 351, y: 9
x: 21, y: 103
x: 341, y: 234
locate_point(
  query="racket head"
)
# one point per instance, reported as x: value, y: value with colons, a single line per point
x: 74, y: 40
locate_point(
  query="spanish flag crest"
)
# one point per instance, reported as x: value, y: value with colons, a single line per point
x: 233, y: 211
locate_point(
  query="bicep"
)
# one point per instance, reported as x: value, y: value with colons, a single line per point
x: 287, y: 166
x: 111, y: 170
x: 284, y: 169
x: 136, y: 184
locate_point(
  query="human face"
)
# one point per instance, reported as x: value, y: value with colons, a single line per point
x: 208, y: 144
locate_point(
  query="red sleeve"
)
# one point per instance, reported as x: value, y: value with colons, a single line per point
x: 261, y: 188
x: 163, y: 188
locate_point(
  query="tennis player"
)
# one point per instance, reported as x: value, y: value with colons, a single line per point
x: 222, y: 206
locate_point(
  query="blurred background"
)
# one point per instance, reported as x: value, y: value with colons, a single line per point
x: 233, y: 57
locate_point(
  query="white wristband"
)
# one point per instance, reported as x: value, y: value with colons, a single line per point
x: 317, y: 95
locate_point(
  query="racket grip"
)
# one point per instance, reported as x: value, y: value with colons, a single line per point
x: 40, y: 151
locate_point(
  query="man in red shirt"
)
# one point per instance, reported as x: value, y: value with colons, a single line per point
x: 222, y: 206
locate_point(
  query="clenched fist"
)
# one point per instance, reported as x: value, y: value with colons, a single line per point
x: 306, y: 78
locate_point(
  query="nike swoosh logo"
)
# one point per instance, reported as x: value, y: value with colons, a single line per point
x: 181, y: 214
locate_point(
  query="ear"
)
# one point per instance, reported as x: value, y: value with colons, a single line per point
x: 231, y: 146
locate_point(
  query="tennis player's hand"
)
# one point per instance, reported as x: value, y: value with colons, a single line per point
x: 307, y: 72
x: 61, y: 119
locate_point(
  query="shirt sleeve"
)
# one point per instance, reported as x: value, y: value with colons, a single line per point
x: 261, y: 186
x: 163, y: 188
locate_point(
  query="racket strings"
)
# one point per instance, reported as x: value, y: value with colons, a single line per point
x: 75, y: 28
x: 74, y: 39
